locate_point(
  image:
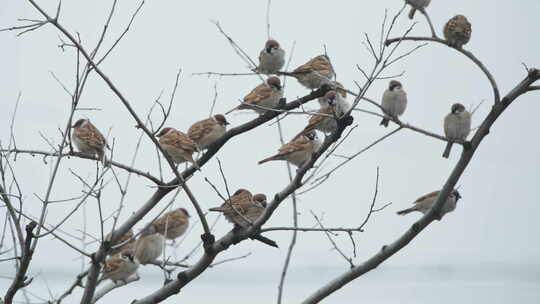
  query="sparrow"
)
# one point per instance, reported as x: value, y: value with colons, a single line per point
x: 394, y: 101
x: 425, y: 203
x: 178, y: 145
x: 149, y: 245
x: 120, y: 267
x: 271, y: 58
x: 325, y: 119
x: 89, y: 140
x: 457, y: 126
x: 242, y: 209
x: 207, y: 131
x: 341, y: 98
x: 298, y: 150
x: 173, y: 224
x: 265, y: 95
x: 125, y: 242
x: 315, y: 73
x: 457, y: 31
x: 417, y: 5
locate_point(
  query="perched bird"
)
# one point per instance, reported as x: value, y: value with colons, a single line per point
x: 172, y: 224
x: 242, y: 208
x: 457, y: 31
x: 178, y: 145
x: 265, y: 95
x: 315, y: 73
x: 89, y: 140
x: 207, y: 131
x: 149, y: 245
x: 341, y: 98
x: 325, y: 119
x: 394, y: 101
x: 120, y: 267
x: 271, y: 58
x: 417, y: 5
x: 298, y: 150
x: 126, y: 241
x: 457, y: 126
x: 425, y: 203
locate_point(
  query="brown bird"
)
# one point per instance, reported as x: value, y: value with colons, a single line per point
x: 120, y: 267
x: 298, y: 151
x: 457, y: 31
x: 178, y: 145
x: 271, y: 58
x: 207, y: 131
x: 89, y: 140
x: 425, y: 203
x: 173, y: 224
x: 417, y: 5
x: 125, y: 242
x: 149, y: 245
x: 264, y: 96
x: 242, y: 208
x: 325, y: 119
x: 315, y: 73
x: 341, y: 98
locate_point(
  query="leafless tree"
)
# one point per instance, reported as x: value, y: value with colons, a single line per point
x: 27, y: 230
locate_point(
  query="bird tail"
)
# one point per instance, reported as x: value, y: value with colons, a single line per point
x: 384, y: 122
x: 411, y: 13
x: 216, y: 209
x: 446, y: 153
x: 406, y: 211
x: 275, y: 157
x: 265, y: 240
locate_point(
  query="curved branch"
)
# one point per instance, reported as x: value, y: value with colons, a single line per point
x: 468, y: 54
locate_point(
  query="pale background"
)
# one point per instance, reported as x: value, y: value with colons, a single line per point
x: 487, y: 251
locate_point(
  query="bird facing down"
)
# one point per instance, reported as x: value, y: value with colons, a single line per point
x: 120, y: 267
x: 178, y: 145
x: 315, y: 73
x: 298, y: 151
x: 425, y: 203
x: 341, y: 98
x: 457, y: 126
x: 149, y: 245
x: 325, y: 119
x: 207, y: 131
x: 457, y: 31
x: 173, y: 224
x: 271, y: 58
x: 126, y: 241
x: 242, y: 208
x: 264, y: 96
x: 89, y: 140
x: 417, y: 5
x: 394, y: 101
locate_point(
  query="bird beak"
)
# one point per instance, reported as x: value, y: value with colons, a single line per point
x: 227, y: 123
x: 269, y: 50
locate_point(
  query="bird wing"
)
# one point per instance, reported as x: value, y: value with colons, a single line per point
x: 179, y: 140
x: 113, y: 265
x: 170, y: 220
x: 261, y: 92
x: 91, y: 136
x: 431, y: 195
x: 296, y: 145
x: 200, y: 129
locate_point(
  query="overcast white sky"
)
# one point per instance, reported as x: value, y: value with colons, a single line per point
x: 495, y: 224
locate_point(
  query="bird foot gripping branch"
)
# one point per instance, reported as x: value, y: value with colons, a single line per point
x: 208, y: 240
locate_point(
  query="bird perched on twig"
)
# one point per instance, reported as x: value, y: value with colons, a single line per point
x: 271, y: 58
x: 325, y: 119
x: 120, y: 267
x: 264, y: 96
x: 178, y: 145
x: 457, y: 126
x: 417, y: 5
x: 457, y: 31
x: 149, y: 245
x: 172, y: 224
x: 341, y: 98
x: 425, y: 203
x: 394, y: 101
x: 298, y: 151
x: 89, y: 140
x: 207, y: 131
x: 315, y: 73
x: 124, y: 242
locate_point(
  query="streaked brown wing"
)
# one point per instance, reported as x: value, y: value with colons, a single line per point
x: 170, y: 220
x: 91, y: 136
x: 261, y: 92
x: 424, y: 197
x: 199, y: 129
x: 179, y: 140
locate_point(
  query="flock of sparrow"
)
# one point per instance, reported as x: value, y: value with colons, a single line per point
x: 243, y: 208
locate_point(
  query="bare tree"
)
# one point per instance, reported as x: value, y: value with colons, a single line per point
x: 27, y: 230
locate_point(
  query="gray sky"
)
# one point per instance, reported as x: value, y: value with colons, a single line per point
x: 494, y: 224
